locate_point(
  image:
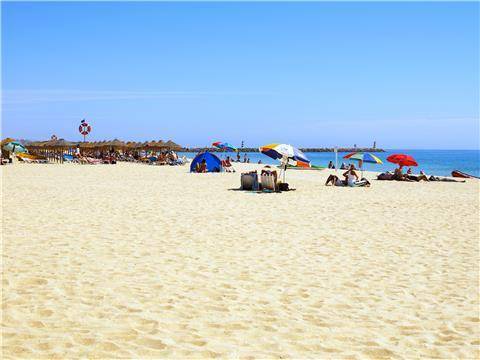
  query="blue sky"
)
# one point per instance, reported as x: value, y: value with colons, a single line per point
x: 310, y: 74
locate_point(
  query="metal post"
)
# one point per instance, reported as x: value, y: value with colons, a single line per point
x: 336, y: 158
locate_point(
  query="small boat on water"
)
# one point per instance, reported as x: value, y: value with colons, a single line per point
x: 459, y: 174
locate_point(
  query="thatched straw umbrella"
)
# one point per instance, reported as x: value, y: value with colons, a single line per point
x: 34, y: 145
x: 59, y: 144
x: 116, y: 144
x: 52, y: 149
x: 172, y: 146
x: 154, y: 145
x: 6, y: 141
x: 161, y: 144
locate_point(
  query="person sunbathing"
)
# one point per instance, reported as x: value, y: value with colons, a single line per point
x: 350, y: 176
x: 334, y: 180
x: 162, y: 159
x: 417, y: 177
x: 399, y: 176
x: 437, y: 178
x: 266, y: 171
x: 387, y: 175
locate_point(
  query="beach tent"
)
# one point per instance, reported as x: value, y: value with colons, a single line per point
x: 213, y: 162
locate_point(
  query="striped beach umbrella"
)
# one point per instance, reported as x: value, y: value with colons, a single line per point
x: 229, y: 147
x: 286, y: 154
x: 364, y: 157
x: 286, y: 151
x: 224, y: 146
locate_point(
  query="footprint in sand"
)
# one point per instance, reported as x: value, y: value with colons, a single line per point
x: 156, y: 344
x: 45, y: 312
x: 33, y: 282
x: 36, y: 324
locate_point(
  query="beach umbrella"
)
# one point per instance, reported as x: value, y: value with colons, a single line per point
x: 224, y: 146
x: 228, y: 147
x: 172, y: 145
x: 217, y: 144
x: 362, y: 157
x: 7, y: 140
x: 116, y: 144
x: 286, y: 154
x: 402, y: 160
x: 15, y: 147
x: 161, y: 144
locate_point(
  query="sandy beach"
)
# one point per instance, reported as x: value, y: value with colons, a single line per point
x: 138, y: 261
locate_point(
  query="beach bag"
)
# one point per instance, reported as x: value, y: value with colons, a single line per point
x: 283, y: 187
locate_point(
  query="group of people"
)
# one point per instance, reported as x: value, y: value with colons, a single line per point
x: 343, y: 166
x: 398, y: 175
x: 350, y: 178
x: 166, y: 158
x: 246, y: 159
x: 111, y: 156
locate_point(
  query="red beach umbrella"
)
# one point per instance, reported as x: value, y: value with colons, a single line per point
x: 402, y: 160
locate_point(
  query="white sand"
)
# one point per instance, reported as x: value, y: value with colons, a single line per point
x: 132, y: 260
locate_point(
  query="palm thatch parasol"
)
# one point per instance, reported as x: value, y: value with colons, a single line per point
x: 172, y: 145
x: 58, y: 144
x: 116, y: 144
x: 6, y: 141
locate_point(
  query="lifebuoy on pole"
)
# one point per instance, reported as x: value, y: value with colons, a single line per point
x: 84, y: 128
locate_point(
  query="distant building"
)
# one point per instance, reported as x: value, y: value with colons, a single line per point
x: 374, y: 144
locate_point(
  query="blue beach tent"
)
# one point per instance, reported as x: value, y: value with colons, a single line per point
x: 213, y: 162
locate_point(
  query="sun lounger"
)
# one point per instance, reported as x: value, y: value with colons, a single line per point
x: 24, y: 159
x: 70, y: 158
x: 28, y: 158
x: 92, y: 161
x: 268, y: 182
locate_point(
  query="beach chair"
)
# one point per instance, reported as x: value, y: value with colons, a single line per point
x: 24, y: 159
x: 268, y: 182
x: 92, y: 161
x: 29, y: 158
x: 68, y: 158
x: 249, y: 181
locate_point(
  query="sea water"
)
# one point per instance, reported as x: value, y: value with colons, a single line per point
x: 432, y: 162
